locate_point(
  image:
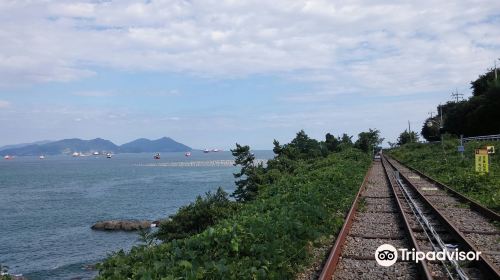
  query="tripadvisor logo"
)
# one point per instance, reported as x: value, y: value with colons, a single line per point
x: 387, y: 255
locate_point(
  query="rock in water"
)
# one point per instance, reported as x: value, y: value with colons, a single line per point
x: 122, y: 225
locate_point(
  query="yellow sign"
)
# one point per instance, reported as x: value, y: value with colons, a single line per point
x: 482, y: 161
x: 490, y: 149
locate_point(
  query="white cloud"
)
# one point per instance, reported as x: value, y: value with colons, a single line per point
x: 78, y: 10
x: 376, y: 47
x: 94, y: 93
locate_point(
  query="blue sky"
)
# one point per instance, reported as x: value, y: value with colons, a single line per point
x: 212, y: 73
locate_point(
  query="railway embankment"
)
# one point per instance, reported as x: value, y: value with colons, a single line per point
x: 443, y: 162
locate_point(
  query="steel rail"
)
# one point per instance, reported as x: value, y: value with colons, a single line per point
x: 333, y: 258
x: 424, y: 270
x: 430, y: 232
x: 484, y: 263
x: 474, y: 204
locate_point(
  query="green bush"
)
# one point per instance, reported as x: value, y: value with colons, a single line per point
x: 197, y: 216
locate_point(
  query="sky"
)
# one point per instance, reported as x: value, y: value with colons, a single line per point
x: 212, y: 73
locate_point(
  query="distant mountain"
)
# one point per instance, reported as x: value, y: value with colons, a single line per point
x: 143, y: 145
x: 68, y: 146
x: 24, y: 144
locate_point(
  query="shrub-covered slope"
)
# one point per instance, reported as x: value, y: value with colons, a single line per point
x: 445, y: 164
x: 271, y: 237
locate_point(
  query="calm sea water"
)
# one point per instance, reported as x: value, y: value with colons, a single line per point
x: 47, y: 206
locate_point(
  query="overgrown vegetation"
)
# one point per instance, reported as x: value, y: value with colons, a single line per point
x: 445, y: 163
x: 197, y: 216
x: 290, y: 206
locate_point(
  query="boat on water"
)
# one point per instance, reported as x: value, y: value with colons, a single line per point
x: 215, y: 150
x: 109, y: 155
x: 95, y: 153
x: 206, y: 151
x: 41, y: 157
x: 7, y: 157
x: 75, y: 154
x: 188, y: 154
x: 157, y: 156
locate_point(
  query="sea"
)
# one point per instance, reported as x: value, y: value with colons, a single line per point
x: 47, y: 206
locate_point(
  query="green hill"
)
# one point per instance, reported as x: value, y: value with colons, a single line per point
x: 68, y: 146
x: 143, y: 145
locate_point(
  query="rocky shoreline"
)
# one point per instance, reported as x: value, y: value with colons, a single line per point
x: 124, y: 225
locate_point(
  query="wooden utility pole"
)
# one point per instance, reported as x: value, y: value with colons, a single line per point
x: 409, y: 131
x: 495, y: 70
x: 441, y: 115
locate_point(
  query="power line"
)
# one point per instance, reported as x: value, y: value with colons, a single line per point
x: 457, y: 95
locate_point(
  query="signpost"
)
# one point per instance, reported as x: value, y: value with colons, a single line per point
x: 482, y: 161
x: 490, y: 149
x: 461, y: 148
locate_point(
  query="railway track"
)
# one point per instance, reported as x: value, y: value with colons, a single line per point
x: 396, y: 206
x: 373, y: 220
x: 470, y: 221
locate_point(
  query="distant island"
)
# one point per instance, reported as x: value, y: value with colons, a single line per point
x: 69, y: 146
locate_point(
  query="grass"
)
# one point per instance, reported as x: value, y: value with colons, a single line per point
x: 362, y: 204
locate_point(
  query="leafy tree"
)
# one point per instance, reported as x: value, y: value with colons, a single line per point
x: 301, y: 147
x: 332, y: 143
x: 407, y: 137
x: 430, y: 130
x: 479, y: 115
x: 248, y: 177
x: 369, y: 140
x: 392, y: 144
x: 346, y: 140
x: 147, y: 238
x: 485, y: 82
x: 277, y: 149
x: 306, y: 146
